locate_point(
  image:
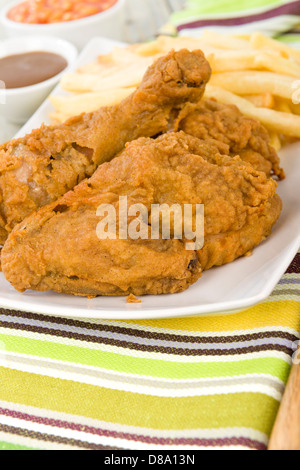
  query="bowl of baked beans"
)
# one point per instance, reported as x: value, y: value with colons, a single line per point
x: 77, y: 21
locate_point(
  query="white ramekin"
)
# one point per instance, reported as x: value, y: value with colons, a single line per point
x: 18, y: 104
x: 107, y: 24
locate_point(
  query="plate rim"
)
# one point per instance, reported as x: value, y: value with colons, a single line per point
x: 132, y: 312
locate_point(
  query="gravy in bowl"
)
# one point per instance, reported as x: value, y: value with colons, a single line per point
x: 22, y: 70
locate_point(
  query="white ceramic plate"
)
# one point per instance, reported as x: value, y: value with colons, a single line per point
x: 227, y: 289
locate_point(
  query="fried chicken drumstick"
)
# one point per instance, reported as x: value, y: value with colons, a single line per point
x: 244, y: 136
x: 38, y: 169
x: 58, y: 249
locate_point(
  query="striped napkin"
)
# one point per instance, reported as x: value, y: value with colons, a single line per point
x: 271, y: 17
x: 190, y: 383
x: 179, y: 384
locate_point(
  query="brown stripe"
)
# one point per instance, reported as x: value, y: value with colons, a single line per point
x: 150, y: 348
x: 181, y: 441
x: 50, y: 438
x: 295, y: 266
x: 141, y: 333
x: 226, y: 442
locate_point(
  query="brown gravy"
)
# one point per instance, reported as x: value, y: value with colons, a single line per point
x: 21, y: 70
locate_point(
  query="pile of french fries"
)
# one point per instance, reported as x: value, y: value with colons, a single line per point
x: 259, y: 75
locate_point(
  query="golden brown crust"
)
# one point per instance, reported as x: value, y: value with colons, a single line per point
x: 58, y: 249
x: 244, y: 136
x: 44, y: 165
x: 132, y: 299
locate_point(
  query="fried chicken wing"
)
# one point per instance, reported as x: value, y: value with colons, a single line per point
x: 245, y: 137
x: 58, y: 249
x: 41, y: 167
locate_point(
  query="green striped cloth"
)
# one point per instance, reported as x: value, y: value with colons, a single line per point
x: 271, y: 17
x: 190, y: 383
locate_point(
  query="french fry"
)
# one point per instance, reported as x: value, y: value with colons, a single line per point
x: 122, y: 55
x: 126, y: 78
x: 101, y: 68
x: 231, y: 61
x: 95, y: 68
x: 264, y: 100
x: 266, y: 61
x: 259, y: 41
x: 118, y: 56
x: 295, y: 108
x: 226, y: 61
x: 80, y: 83
x: 282, y: 105
x: 88, y: 102
x: 246, y: 37
x: 103, y: 71
x: 58, y: 118
x: 284, y: 123
x: 237, y: 60
x: 164, y: 44
x: 224, y: 41
x: 275, y: 141
x: 252, y: 82
x: 152, y: 48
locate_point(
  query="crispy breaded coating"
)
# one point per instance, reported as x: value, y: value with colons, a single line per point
x: 44, y: 165
x: 58, y: 249
x: 245, y: 137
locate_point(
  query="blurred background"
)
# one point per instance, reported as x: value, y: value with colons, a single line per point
x: 142, y: 18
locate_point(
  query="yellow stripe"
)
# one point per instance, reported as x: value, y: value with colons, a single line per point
x: 281, y: 313
x: 249, y: 410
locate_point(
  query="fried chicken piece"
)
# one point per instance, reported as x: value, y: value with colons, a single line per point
x: 41, y: 167
x: 58, y: 249
x: 245, y: 137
